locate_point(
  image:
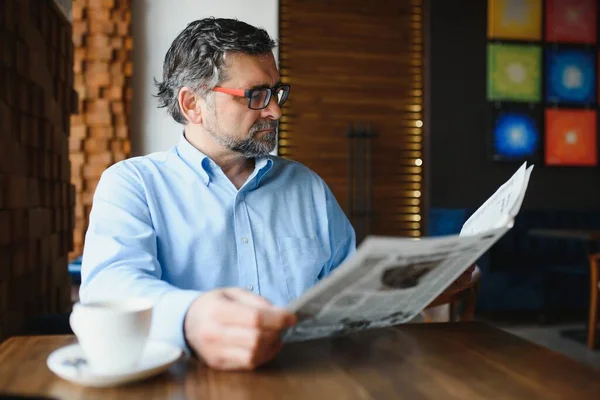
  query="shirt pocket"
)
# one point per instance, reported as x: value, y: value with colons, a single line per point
x: 302, y: 260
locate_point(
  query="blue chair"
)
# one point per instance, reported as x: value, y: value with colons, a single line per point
x: 556, y: 268
x: 75, y: 271
x: 527, y: 273
x: 446, y: 221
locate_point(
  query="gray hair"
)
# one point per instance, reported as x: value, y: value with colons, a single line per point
x: 196, y: 57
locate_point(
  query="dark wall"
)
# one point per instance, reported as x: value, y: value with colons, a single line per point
x: 36, y: 196
x: 462, y: 173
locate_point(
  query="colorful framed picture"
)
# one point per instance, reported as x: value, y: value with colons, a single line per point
x: 516, y: 133
x: 571, y: 137
x: 514, y: 72
x: 571, y: 21
x: 515, y: 19
x: 570, y: 76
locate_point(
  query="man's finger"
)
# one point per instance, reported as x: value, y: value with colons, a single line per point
x: 269, y: 353
x: 251, y: 338
x: 465, y: 278
x: 254, y: 300
x: 230, y: 358
x: 232, y: 312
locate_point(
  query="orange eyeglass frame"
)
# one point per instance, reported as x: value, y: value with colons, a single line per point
x: 247, y: 93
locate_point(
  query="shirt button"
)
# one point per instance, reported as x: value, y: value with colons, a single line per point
x: 245, y: 239
x: 249, y: 287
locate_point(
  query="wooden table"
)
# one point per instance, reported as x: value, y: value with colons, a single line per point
x: 467, y: 360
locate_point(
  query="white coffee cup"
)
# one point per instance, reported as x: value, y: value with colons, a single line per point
x: 112, y: 334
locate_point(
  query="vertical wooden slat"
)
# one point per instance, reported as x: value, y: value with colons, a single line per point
x: 102, y: 70
x: 353, y: 62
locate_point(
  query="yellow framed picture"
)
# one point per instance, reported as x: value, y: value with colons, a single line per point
x: 515, y: 19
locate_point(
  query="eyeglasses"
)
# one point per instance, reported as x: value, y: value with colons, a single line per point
x: 259, y: 98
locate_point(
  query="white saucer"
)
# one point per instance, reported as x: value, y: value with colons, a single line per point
x: 69, y: 363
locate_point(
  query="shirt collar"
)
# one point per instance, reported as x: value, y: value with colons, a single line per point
x: 201, y: 163
x: 194, y: 158
x: 262, y: 166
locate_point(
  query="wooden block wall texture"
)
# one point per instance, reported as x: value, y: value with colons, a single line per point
x: 102, y: 71
x: 36, y: 197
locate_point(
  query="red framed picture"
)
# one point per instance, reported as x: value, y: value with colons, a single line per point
x: 571, y: 137
x: 571, y: 21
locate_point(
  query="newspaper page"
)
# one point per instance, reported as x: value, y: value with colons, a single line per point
x: 390, y: 280
x: 502, y: 206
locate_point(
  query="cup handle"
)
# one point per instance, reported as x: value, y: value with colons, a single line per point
x: 73, y: 321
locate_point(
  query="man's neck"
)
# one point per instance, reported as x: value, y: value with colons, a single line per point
x: 235, y: 166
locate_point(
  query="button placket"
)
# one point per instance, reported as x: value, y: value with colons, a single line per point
x: 246, y: 252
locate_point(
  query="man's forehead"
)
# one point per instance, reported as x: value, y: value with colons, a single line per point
x: 252, y: 69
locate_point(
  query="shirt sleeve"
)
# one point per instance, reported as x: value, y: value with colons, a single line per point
x: 120, y: 254
x: 341, y: 234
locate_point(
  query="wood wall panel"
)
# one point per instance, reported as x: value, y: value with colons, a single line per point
x: 36, y: 198
x: 103, y: 67
x: 356, y: 62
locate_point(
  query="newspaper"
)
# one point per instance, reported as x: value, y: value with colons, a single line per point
x: 390, y: 280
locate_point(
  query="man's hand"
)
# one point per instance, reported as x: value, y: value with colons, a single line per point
x: 462, y: 280
x: 437, y: 311
x: 232, y: 329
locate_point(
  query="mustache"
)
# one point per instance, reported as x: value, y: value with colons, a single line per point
x: 261, y: 126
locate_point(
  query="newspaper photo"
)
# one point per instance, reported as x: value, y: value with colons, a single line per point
x: 390, y: 280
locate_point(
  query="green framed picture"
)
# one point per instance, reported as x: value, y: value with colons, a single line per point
x: 514, y: 72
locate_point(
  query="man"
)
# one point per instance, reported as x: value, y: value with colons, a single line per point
x: 218, y: 232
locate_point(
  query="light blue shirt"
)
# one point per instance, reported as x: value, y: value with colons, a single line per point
x: 171, y: 225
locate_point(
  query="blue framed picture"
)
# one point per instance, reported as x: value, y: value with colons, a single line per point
x: 516, y: 133
x: 571, y: 76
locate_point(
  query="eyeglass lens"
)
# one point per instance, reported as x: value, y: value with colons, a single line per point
x: 260, y: 97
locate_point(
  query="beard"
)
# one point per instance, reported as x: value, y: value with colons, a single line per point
x: 249, y: 147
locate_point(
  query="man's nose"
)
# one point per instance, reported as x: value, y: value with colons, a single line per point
x: 273, y: 110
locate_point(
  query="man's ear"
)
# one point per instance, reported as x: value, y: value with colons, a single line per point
x: 189, y: 104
